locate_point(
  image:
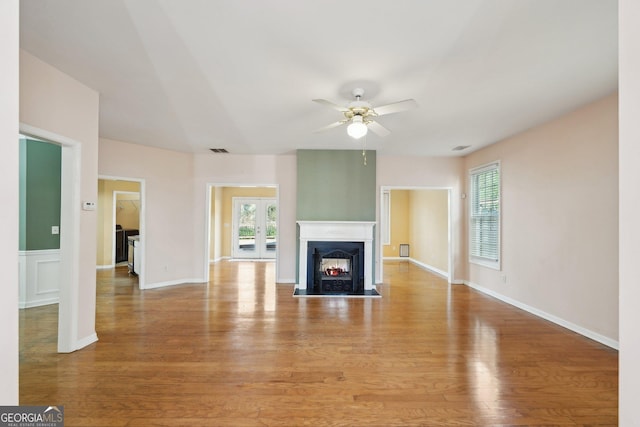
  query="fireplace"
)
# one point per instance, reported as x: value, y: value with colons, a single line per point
x: 335, y: 258
x: 335, y: 268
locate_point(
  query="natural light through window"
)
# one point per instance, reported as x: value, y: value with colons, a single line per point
x: 484, y: 217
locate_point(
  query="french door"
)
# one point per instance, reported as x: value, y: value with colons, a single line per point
x: 254, y: 227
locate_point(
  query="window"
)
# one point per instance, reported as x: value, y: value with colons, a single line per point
x: 484, y: 222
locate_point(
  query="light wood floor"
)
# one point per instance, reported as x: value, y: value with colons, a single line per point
x: 241, y: 351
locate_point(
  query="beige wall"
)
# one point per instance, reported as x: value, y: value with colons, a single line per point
x: 629, y: 11
x: 105, y: 226
x: 168, y: 193
x: 9, y: 192
x: 560, y: 218
x: 429, y: 235
x: 56, y: 104
x: 231, y: 170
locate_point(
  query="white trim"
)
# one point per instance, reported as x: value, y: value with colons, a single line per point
x: 71, y: 168
x: 39, y: 252
x: 428, y: 267
x: 157, y: 285
x: 385, y: 217
x: 336, y: 231
x: 36, y: 287
x: 83, y: 342
x: 105, y: 267
x: 550, y: 317
x: 431, y: 268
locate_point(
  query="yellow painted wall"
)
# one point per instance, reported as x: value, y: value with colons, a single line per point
x: 128, y: 210
x: 226, y: 212
x: 399, y: 222
x: 105, y: 225
x: 428, y: 219
x: 420, y: 218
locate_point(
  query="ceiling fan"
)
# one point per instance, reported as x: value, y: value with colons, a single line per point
x: 360, y: 115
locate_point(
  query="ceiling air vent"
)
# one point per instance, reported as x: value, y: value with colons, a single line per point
x: 460, y: 147
x: 219, y: 150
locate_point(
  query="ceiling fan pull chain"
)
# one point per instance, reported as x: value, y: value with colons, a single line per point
x: 364, y: 151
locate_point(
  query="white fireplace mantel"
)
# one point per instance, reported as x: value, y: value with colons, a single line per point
x: 336, y: 231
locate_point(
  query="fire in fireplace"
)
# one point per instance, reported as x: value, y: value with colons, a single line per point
x: 335, y: 268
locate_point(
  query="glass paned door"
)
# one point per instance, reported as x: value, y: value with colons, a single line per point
x: 255, y: 228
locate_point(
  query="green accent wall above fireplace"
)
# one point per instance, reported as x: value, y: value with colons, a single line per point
x: 336, y: 185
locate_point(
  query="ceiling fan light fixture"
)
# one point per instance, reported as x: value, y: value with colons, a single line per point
x: 357, y: 129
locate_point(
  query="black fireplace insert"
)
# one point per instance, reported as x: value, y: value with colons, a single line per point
x: 335, y: 268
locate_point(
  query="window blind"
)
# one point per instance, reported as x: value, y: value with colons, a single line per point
x: 484, y: 239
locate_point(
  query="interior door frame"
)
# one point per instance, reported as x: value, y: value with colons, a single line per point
x: 208, y: 225
x: 142, y: 229
x: 260, y: 222
x: 388, y: 188
x: 68, y: 305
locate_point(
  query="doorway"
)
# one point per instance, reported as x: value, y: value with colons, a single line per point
x: 69, y: 229
x: 254, y: 228
x: 220, y: 239
x: 416, y: 227
x: 121, y: 217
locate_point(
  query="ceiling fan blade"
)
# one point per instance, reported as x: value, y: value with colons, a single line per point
x: 331, y: 126
x: 378, y: 129
x: 331, y: 105
x: 396, y: 107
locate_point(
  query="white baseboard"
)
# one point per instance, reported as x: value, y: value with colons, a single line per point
x: 431, y: 268
x: 286, y: 281
x: 38, y: 303
x: 82, y: 343
x: 104, y: 267
x: 544, y: 315
x: 173, y: 283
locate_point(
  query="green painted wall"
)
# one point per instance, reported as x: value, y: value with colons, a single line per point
x: 40, y: 168
x: 336, y: 185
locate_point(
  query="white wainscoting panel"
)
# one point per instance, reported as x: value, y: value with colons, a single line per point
x: 39, y: 277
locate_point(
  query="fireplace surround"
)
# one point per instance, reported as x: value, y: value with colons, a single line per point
x: 335, y: 258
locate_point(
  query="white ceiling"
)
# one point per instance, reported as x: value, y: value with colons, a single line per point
x: 191, y: 75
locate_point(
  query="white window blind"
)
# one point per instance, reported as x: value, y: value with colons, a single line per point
x: 484, y: 238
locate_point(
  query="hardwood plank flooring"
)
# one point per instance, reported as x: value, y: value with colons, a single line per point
x: 241, y: 351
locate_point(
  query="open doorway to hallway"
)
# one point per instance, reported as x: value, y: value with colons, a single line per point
x: 416, y: 227
x: 243, y: 222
